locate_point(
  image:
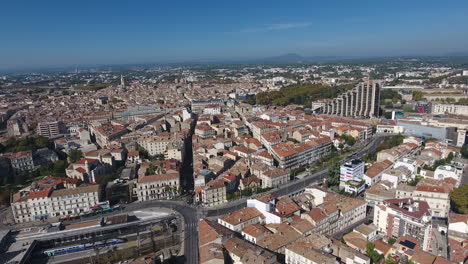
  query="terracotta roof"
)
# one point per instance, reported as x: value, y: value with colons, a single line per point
x: 441, y: 260
x: 39, y: 194
x: 241, y: 215
x: 458, y: 250
x: 255, y: 230
x: 356, y: 239
x: 211, y: 252
x: 264, y: 197
x: 133, y: 153
x: 286, y: 206
x: 458, y: 218
x: 80, y: 170
x: 382, y: 246
x: 422, y: 257
x: 436, y: 189
x: 210, y: 231
x: 77, y: 190
x: 158, y: 177
x: 215, y: 184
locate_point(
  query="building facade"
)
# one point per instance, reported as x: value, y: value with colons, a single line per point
x: 362, y: 101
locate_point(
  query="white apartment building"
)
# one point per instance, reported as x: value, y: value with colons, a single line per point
x: 32, y: 205
x: 158, y: 186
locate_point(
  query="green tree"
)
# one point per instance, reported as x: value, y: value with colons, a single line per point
x: 75, y: 155
x: 372, y: 253
x: 459, y: 199
x: 418, y: 96
x: 391, y: 241
x: 349, y: 140
x: 334, y: 172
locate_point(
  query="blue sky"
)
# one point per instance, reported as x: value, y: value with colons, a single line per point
x: 48, y: 33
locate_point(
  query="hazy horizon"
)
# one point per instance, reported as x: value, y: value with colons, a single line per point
x: 60, y: 34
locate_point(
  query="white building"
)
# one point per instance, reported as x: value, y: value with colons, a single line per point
x: 449, y: 171
x: 440, y: 109
x: 38, y: 204
x: 351, y: 176
x: 410, y: 164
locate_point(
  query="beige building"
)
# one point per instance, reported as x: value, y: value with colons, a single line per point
x: 214, y: 193
x: 274, y: 177
x: 74, y: 201
x: 158, y: 186
x: 436, y: 193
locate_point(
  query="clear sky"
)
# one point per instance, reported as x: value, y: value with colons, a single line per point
x: 48, y: 33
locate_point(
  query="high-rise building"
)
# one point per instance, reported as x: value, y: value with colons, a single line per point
x: 361, y: 101
x: 49, y: 129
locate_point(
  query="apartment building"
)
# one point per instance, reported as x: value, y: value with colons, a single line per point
x: 21, y: 161
x: 404, y: 217
x: 435, y: 192
x: 375, y: 171
x: 50, y: 129
x: 32, y: 204
x: 74, y: 201
x: 154, y: 187
x: 361, y: 101
x: 106, y: 133
x: 204, y: 131
x: 237, y: 220
x: 333, y: 212
x: 212, y: 194
x: 274, y: 177
x: 292, y: 155
x: 351, y: 176
x: 197, y: 106
x: 162, y: 143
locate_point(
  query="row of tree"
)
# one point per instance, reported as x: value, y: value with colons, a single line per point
x: 302, y: 94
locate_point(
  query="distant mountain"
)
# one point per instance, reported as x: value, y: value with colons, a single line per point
x: 286, y: 58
